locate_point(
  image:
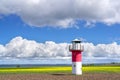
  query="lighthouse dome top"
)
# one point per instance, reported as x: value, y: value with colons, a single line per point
x: 76, y: 41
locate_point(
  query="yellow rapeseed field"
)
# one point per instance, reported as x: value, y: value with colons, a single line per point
x: 55, y: 69
x: 111, y: 69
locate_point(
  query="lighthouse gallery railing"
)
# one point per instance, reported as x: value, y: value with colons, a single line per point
x: 76, y: 47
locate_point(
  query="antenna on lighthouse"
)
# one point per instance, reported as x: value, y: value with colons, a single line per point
x: 76, y: 48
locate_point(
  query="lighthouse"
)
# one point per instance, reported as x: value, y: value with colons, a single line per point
x: 76, y: 48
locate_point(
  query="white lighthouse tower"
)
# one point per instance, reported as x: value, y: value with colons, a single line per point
x: 76, y: 48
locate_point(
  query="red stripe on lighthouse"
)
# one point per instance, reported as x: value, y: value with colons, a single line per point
x: 76, y: 56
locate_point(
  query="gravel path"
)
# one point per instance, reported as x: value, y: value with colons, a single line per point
x: 86, y: 76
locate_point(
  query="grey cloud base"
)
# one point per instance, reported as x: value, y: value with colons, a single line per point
x: 62, y: 13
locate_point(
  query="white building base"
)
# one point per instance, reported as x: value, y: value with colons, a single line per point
x: 77, y: 68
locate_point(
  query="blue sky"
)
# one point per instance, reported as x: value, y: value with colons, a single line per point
x: 31, y: 29
x: 12, y: 26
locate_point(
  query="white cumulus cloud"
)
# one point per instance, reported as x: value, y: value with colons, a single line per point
x: 102, y: 50
x: 22, y: 48
x: 62, y: 13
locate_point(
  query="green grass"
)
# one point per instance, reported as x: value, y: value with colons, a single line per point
x: 64, y: 69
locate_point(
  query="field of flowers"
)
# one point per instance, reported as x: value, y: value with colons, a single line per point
x: 57, y: 69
